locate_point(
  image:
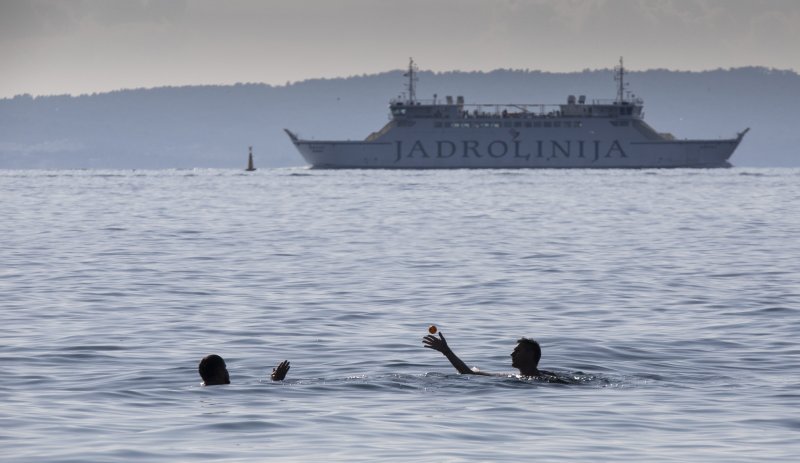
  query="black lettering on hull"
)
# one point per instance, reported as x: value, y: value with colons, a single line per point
x: 496, y: 152
x: 418, y: 147
x: 440, y: 151
x: 471, y: 146
x: 615, y: 146
x: 557, y: 147
x: 496, y: 149
x: 516, y: 151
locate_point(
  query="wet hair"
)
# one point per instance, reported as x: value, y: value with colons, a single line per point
x: 213, y: 370
x: 535, y: 349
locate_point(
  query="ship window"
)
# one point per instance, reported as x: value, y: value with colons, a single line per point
x: 548, y: 124
x: 447, y: 125
x: 437, y: 125
x: 537, y: 124
x: 517, y: 124
x: 506, y: 124
x: 557, y: 124
x: 567, y: 124
x: 578, y: 124
x: 528, y: 124
x: 495, y: 125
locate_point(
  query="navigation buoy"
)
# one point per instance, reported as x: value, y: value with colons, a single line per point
x: 432, y: 329
x: 250, y: 166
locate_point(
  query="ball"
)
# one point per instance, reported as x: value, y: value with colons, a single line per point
x: 432, y: 329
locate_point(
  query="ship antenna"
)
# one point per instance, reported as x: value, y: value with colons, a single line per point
x: 620, y: 77
x: 412, y: 68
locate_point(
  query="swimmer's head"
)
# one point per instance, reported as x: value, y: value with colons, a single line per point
x: 213, y: 370
x: 526, y: 355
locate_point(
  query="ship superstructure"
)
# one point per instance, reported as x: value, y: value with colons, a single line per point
x: 579, y: 134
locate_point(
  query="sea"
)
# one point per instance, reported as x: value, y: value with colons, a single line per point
x: 669, y: 300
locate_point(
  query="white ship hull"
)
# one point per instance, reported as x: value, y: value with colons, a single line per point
x: 499, y: 149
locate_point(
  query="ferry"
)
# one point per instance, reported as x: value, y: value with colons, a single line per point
x: 450, y: 134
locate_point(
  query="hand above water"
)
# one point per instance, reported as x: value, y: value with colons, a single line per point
x: 279, y: 372
x: 440, y: 343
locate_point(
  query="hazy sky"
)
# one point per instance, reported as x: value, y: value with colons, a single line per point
x: 85, y: 46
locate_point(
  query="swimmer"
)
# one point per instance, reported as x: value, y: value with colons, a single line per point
x: 214, y: 372
x: 525, y: 358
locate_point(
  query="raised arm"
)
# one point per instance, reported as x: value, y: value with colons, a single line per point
x: 279, y: 372
x: 440, y: 344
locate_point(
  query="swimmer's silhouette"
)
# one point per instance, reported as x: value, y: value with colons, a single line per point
x: 525, y: 358
x: 214, y: 372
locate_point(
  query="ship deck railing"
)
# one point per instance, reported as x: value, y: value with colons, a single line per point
x: 615, y: 102
x: 535, y: 108
x: 516, y: 110
x: 498, y: 108
x: 512, y: 111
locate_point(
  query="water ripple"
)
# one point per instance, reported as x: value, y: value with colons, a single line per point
x: 667, y: 299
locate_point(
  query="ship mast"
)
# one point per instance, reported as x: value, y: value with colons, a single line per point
x: 620, y: 77
x: 412, y: 78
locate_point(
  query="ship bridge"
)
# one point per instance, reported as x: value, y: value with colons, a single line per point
x: 602, y: 108
x: 427, y: 109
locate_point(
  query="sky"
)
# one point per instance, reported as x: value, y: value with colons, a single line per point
x: 77, y: 47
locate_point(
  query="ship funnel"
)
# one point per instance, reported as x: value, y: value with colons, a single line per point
x: 460, y: 99
x: 449, y: 99
x: 582, y: 99
x: 571, y: 99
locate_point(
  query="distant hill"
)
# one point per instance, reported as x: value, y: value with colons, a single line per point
x: 212, y: 126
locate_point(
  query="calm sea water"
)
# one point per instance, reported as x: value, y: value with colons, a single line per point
x: 672, y: 297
